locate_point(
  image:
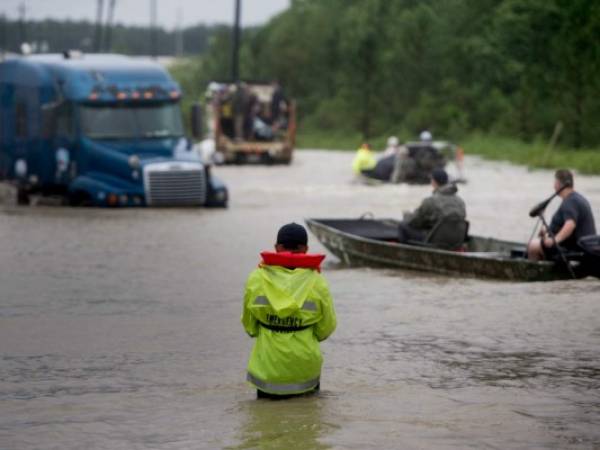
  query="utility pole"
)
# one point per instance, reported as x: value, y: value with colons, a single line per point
x: 235, y: 69
x: 22, y: 24
x: 153, y: 31
x: 109, y: 25
x: 98, y: 33
x: 178, y: 35
x: 3, y: 35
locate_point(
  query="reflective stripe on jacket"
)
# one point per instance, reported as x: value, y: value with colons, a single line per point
x: 288, y: 311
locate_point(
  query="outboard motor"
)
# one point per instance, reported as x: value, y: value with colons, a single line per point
x: 591, y: 249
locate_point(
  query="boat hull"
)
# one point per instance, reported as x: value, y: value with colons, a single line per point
x: 483, y: 258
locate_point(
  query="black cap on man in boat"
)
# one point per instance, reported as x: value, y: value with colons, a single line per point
x: 439, y: 176
x: 292, y: 235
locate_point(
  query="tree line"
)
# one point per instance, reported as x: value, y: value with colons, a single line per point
x: 505, y: 67
x: 57, y: 36
x: 508, y: 67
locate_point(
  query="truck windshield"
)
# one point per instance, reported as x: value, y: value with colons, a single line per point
x: 127, y: 121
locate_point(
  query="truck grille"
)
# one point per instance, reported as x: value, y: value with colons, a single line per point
x: 175, y: 187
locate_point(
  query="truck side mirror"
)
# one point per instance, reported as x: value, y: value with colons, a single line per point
x: 196, y: 115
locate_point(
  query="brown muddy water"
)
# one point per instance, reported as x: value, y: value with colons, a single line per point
x: 119, y: 329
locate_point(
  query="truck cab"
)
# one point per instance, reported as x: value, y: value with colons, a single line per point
x: 101, y: 130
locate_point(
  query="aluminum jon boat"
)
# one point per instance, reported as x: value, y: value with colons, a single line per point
x: 372, y: 242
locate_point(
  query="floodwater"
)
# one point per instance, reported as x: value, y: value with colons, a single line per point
x: 119, y: 329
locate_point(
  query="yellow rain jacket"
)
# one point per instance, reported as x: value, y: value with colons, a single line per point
x: 288, y: 311
x: 363, y: 160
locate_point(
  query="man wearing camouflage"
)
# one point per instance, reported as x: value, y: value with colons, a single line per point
x: 442, y: 203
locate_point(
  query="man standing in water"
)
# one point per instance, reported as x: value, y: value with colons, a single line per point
x: 289, y: 310
x: 573, y: 220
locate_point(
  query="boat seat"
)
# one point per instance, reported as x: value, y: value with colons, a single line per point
x: 449, y: 233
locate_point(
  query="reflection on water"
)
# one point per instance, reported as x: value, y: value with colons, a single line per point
x: 287, y: 424
x: 119, y: 329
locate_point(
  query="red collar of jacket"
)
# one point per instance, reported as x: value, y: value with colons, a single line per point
x: 293, y: 260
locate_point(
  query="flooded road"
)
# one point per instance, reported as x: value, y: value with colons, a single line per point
x: 119, y: 329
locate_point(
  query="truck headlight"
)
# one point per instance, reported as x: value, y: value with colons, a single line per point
x: 21, y: 168
x: 134, y: 161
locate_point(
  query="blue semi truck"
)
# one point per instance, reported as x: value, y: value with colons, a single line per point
x: 100, y: 130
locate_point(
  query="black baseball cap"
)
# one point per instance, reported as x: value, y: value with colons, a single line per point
x: 292, y: 235
x: 439, y: 176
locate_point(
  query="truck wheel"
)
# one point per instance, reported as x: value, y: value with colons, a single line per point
x: 80, y: 198
x: 267, y: 159
x: 217, y: 199
x: 216, y: 204
x: 22, y: 196
x: 240, y: 158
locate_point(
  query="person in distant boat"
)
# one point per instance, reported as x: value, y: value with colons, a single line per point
x: 289, y: 310
x: 390, y: 162
x: 363, y: 160
x: 425, y: 136
x: 392, y: 147
x: 573, y: 220
x: 418, y: 160
x: 442, y: 203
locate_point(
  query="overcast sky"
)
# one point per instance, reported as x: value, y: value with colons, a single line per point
x: 137, y: 12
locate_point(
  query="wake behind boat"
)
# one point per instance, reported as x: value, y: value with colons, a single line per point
x: 373, y: 242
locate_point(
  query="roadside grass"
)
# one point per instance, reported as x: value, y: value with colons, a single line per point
x: 536, y: 154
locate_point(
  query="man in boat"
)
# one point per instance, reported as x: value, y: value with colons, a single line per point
x: 289, y: 310
x: 363, y: 161
x: 442, y: 203
x: 419, y: 159
x: 389, y: 163
x: 573, y: 220
x: 426, y: 136
x: 392, y: 147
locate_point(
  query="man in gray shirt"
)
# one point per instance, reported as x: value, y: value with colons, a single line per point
x: 573, y: 220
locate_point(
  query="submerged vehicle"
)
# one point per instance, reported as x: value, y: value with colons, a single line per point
x: 102, y: 130
x: 250, y: 122
x: 373, y: 242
